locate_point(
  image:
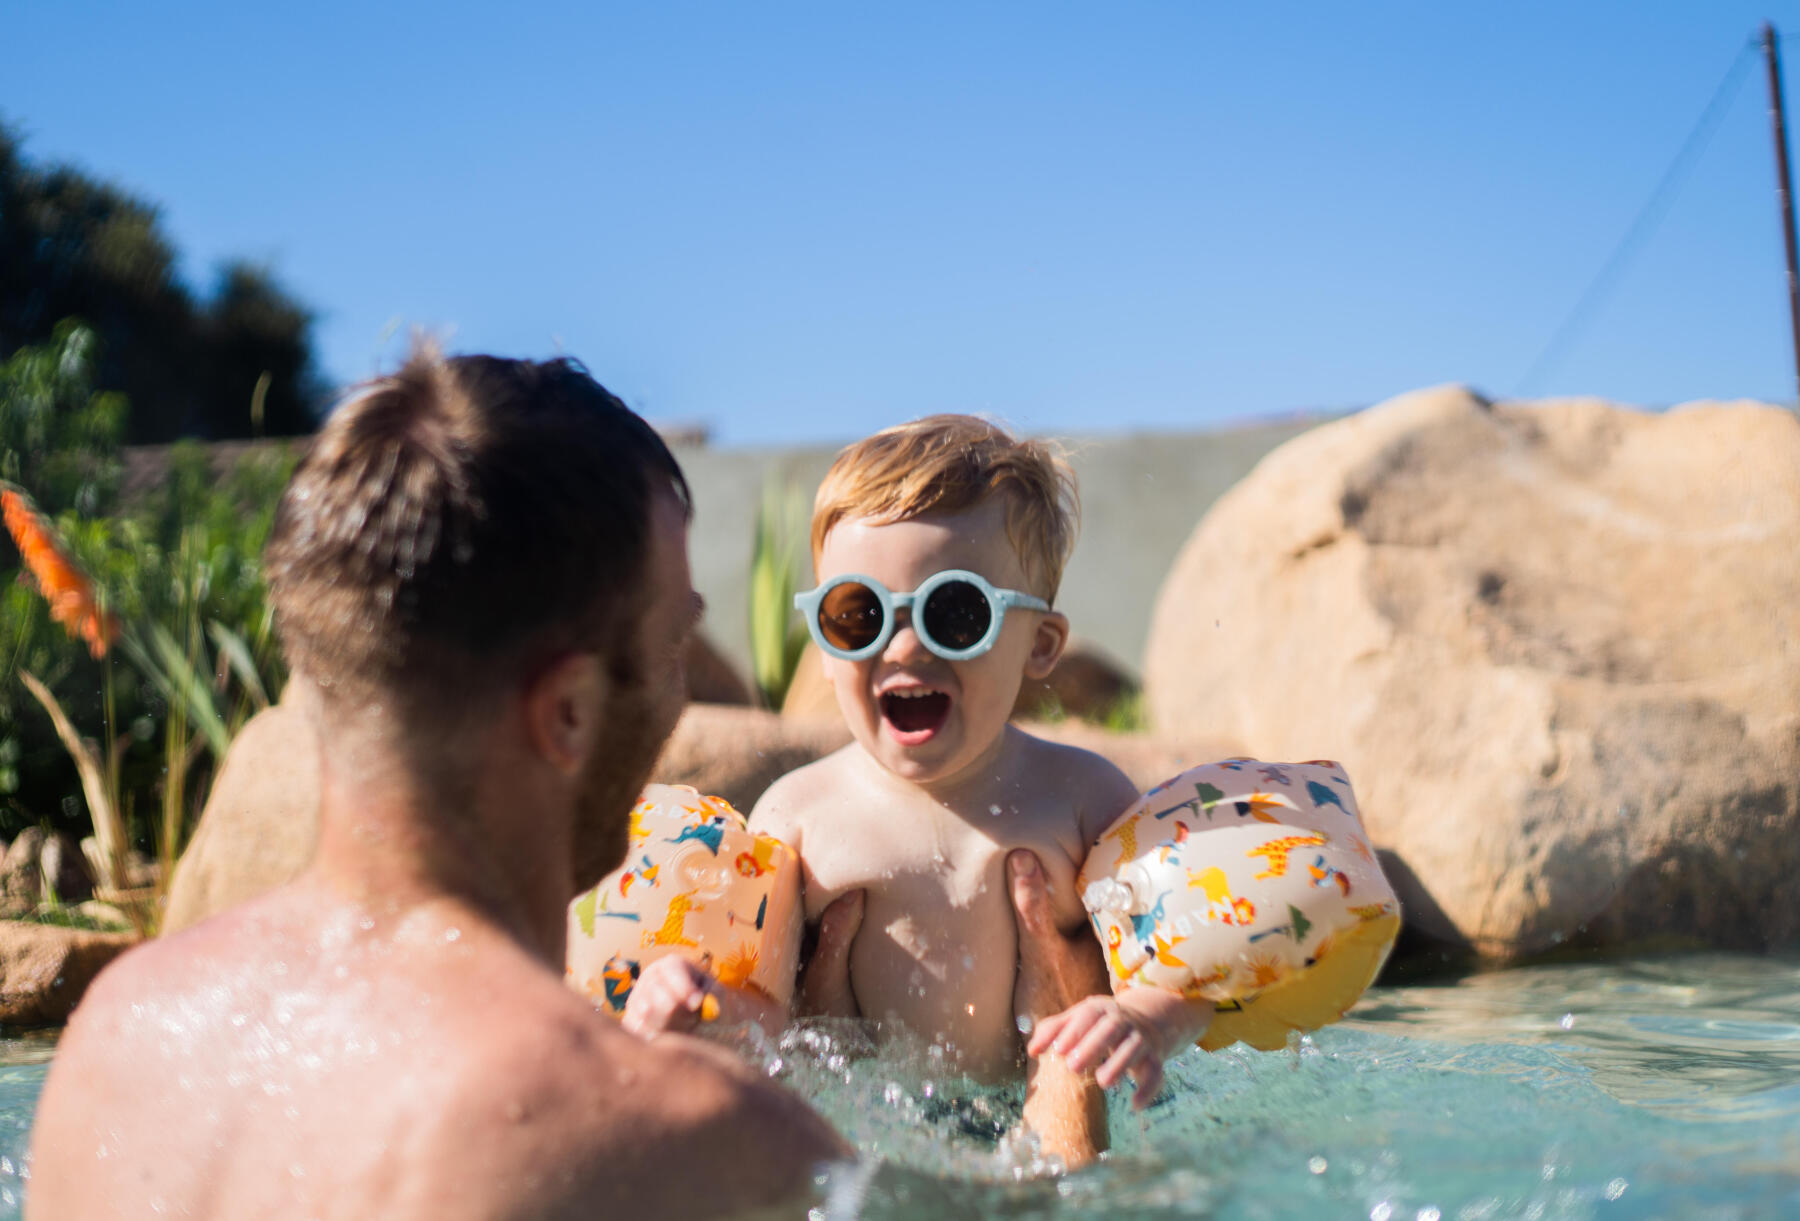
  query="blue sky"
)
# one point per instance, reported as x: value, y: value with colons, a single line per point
x: 806, y: 221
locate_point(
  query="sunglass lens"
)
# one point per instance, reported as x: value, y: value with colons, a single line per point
x: 850, y: 616
x: 957, y: 615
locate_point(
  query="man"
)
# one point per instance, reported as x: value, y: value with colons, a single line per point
x: 480, y: 578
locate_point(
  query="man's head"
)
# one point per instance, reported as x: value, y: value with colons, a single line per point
x: 462, y: 528
x: 938, y: 546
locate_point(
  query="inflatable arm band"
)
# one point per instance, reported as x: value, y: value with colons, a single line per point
x: 696, y: 881
x: 1248, y: 884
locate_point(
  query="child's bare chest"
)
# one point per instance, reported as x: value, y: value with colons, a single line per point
x: 934, y: 869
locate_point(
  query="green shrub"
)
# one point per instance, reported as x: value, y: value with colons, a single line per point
x: 183, y: 560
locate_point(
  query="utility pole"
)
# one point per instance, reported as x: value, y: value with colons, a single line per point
x: 1784, y: 191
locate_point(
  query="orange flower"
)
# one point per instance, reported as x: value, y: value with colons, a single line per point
x: 69, y: 593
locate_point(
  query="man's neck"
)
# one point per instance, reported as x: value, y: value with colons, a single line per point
x: 406, y: 843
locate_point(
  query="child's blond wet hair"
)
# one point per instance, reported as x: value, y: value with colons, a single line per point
x: 949, y: 463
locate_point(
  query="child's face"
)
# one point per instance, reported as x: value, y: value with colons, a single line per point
x: 927, y: 720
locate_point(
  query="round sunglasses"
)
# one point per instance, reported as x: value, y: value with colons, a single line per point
x: 957, y: 614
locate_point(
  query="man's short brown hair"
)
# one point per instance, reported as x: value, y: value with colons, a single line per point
x: 949, y: 463
x: 460, y: 522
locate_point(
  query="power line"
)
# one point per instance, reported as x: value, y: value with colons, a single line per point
x: 1648, y: 217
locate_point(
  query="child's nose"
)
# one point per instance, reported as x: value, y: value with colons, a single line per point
x: 904, y: 645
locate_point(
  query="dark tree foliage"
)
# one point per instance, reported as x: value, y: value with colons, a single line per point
x: 71, y: 247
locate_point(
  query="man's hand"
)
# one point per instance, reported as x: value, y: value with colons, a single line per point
x: 670, y: 994
x: 1131, y: 1034
x: 824, y: 989
x: 1057, y: 970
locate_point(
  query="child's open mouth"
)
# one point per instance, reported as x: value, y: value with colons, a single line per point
x: 914, y: 714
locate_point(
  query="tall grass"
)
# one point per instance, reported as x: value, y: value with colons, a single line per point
x: 776, y: 634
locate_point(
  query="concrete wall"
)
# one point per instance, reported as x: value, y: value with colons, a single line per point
x: 1141, y: 497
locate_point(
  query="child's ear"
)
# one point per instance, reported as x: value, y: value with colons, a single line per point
x: 1047, y: 645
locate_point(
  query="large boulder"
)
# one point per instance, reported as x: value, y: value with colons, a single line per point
x: 736, y: 753
x: 1553, y: 643
x: 45, y: 968
x: 260, y: 822
x: 711, y: 678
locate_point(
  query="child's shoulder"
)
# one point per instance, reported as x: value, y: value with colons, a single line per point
x: 1095, y: 786
x: 782, y: 809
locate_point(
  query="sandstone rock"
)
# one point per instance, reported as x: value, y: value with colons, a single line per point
x: 810, y: 695
x: 44, y: 969
x: 260, y: 822
x: 736, y: 753
x: 1088, y: 682
x: 63, y: 869
x: 711, y: 679
x: 21, y: 874
x: 1554, y: 644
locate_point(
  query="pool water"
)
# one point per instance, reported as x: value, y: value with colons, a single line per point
x: 1665, y: 1087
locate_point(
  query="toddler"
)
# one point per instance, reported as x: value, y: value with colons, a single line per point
x: 939, y: 546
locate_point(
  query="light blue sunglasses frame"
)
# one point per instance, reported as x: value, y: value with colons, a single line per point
x: 999, y: 602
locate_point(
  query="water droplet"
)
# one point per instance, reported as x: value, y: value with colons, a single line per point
x: 1428, y: 1213
x: 994, y: 810
x: 1616, y: 1188
x: 452, y: 934
x: 1023, y: 1023
x: 1567, y: 1022
x: 1381, y: 1212
x: 1317, y: 1165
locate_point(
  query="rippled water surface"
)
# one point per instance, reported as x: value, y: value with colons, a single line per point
x: 1664, y: 1087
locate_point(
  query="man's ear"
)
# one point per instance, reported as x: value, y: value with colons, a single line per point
x: 563, y: 708
x: 1047, y: 645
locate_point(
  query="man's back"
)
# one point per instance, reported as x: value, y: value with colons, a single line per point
x: 273, y: 1063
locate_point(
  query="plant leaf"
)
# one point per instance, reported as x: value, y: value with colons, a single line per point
x: 109, y: 829
x: 184, y: 683
x: 237, y: 655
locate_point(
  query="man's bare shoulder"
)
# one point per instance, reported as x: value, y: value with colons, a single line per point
x: 627, y: 1116
x: 1095, y: 789
x: 180, y: 965
x: 783, y: 809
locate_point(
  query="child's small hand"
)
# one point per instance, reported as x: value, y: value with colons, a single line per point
x: 671, y: 994
x: 1127, y: 1035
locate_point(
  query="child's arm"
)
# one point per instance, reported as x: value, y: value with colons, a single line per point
x: 1131, y: 1033
x: 675, y: 994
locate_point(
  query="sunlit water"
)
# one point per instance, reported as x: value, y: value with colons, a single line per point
x: 1652, y: 1088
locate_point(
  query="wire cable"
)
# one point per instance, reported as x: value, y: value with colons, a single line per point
x: 1648, y: 218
